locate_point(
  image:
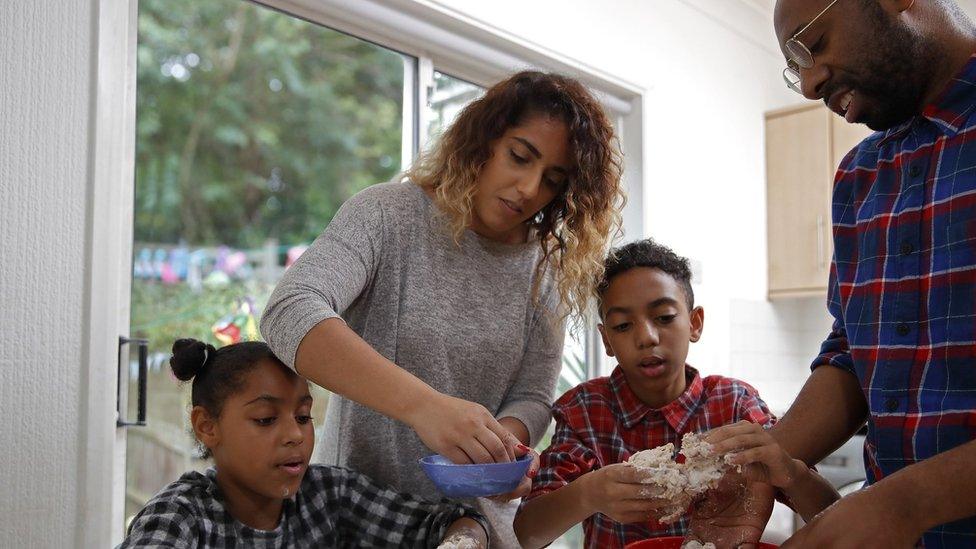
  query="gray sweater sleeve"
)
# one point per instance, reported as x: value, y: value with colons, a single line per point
x: 327, y: 278
x: 530, y: 397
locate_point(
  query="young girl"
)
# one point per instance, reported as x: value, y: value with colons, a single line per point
x: 432, y: 305
x: 251, y: 414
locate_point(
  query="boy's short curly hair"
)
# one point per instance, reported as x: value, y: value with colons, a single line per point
x: 647, y: 253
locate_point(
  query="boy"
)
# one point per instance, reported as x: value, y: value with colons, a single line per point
x: 653, y: 397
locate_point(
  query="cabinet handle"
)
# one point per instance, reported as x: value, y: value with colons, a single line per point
x: 820, y: 242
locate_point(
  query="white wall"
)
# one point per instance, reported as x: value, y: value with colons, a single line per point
x: 45, y: 100
x: 710, y: 68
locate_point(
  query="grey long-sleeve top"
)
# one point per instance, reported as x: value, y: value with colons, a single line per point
x: 459, y: 317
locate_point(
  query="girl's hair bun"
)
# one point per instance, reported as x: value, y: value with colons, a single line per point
x: 190, y: 356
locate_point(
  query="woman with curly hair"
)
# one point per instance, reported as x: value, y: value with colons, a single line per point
x: 434, y: 306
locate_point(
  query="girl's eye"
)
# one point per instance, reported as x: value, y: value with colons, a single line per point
x: 303, y: 419
x: 518, y: 159
x: 265, y: 421
x: 621, y: 327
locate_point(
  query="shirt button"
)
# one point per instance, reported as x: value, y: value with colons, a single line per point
x: 903, y: 329
x: 891, y: 404
x: 914, y: 171
x: 907, y: 248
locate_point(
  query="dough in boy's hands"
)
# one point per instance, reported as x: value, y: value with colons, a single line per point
x: 680, y: 483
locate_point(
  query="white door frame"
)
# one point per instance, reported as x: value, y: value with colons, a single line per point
x: 108, y: 255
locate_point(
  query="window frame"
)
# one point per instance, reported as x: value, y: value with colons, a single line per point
x: 451, y: 42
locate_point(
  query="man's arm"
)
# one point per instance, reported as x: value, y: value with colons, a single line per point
x: 897, y: 510
x: 937, y: 490
x: 828, y: 411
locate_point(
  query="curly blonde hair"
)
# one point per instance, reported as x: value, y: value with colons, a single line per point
x: 575, y: 228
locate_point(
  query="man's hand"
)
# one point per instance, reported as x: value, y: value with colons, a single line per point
x: 762, y: 458
x: 863, y: 519
x: 733, y: 515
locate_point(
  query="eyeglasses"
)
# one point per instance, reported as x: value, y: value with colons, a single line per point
x: 799, y: 56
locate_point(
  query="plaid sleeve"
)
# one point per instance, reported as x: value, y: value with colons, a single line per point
x: 163, y: 522
x: 835, y: 350
x: 750, y: 407
x: 566, y: 459
x: 377, y: 516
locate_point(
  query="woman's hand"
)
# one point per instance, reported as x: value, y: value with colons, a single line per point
x: 764, y: 460
x: 462, y: 431
x: 525, y: 486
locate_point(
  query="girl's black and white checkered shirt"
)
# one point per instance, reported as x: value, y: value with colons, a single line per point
x: 334, y: 507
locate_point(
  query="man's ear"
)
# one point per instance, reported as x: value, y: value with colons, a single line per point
x: 606, y: 342
x: 205, y: 427
x: 697, y: 323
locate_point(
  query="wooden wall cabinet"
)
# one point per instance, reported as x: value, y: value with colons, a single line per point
x: 804, y: 146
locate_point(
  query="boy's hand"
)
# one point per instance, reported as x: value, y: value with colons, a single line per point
x: 525, y: 486
x: 617, y: 492
x: 762, y: 458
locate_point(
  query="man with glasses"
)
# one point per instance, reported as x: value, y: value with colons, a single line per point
x: 902, y: 290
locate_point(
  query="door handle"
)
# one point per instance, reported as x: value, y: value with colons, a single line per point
x: 122, y: 420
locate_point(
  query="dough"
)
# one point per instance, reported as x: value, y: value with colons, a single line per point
x: 459, y: 541
x: 680, y: 483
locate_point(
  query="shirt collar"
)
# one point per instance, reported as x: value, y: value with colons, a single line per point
x: 951, y: 107
x: 632, y: 409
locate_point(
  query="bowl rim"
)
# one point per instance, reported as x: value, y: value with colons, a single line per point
x: 527, y: 458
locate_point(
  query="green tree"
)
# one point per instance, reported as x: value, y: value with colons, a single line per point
x: 254, y: 124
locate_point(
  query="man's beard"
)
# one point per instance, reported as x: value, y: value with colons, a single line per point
x: 896, y: 72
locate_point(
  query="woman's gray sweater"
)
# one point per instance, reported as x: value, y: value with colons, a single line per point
x: 459, y: 317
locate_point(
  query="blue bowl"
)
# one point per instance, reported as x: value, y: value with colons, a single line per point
x: 475, y: 479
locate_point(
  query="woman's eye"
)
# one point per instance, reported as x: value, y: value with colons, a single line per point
x: 265, y: 421
x: 518, y: 159
x: 555, y: 183
x: 303, y: 419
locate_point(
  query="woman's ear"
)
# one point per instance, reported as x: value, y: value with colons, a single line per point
x: 205, y: 427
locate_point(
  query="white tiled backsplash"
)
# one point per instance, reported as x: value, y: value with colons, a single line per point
x: 773, y: 342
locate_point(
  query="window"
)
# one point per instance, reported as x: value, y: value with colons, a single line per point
x: 448, y: 95
x: 253, y: 127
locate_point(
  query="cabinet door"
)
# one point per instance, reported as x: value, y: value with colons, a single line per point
x: 799, y: 172
x: 845, y: 137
